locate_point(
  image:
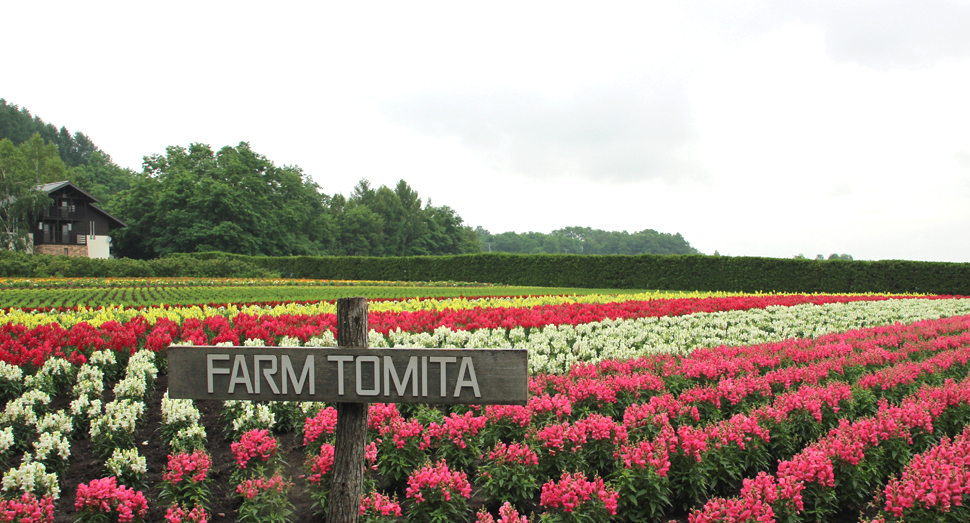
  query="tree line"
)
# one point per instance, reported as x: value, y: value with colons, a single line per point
x: 196, y: 199
x: 235, y: 200
x: 584, y: 240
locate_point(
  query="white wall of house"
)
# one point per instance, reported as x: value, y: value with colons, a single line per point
x: 99, y: 246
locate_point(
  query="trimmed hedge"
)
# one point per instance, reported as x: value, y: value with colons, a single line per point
x: 686, y: 272
x: 21, y: 265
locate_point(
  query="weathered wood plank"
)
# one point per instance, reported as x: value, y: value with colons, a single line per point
x: 354, y: 375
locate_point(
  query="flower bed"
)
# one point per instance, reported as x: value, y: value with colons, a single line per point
x: 687, y: 427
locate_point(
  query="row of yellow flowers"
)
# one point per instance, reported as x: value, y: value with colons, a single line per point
x: 96, y: 316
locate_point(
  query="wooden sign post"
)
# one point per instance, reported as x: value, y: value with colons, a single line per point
x: 351, y: 432
x: 351, y: 375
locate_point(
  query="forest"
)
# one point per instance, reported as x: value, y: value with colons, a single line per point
x: 196, y: 199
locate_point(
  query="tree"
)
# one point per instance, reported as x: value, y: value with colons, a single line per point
x: 193, y: 199
x: 42, y: 160
x: 18, y: 126
x: 360, y: 233
x: 20, y: 199
x: 101, y: 178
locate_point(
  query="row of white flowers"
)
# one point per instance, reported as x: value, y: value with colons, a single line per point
x: 556, y: 348
x: 114, y: 430
x: 182, y: 428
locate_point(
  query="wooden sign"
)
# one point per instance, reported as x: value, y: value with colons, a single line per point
x: 351, y: 375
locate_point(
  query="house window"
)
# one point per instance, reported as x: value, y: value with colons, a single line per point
x: 65, y: 251
x: 91, y: 229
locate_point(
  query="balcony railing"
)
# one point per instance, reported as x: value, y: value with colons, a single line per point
x: 71, y: 238
x: 70, y: 211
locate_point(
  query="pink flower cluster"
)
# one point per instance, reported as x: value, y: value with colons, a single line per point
x: 514, y: 453
x: 28, y: 508
x: 561, y: 437
x: 574, y: 492
x: 324, y: 422
x: 380, y: 415
x: 254, y: 444
x: 378, y: 503
x: 320, y: 464
x: 559, y: 405
x: 937, y: 479
x: 506, y: 514
x: 655, y: 452
x: 848, y: 443
x: 195, y: 464
x: 515, y: 414
x: 439, y: 478
x: 457, y: 427
x: 104, y: 496
x: 402, y: 431
x: 251, y: 488
x: 370, y: 454
x: 753, y: 505
x: 598, y: 427
x: 178, y: 514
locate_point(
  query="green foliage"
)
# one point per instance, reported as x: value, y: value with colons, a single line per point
x: 686, y: 272
x: 237, y: 201
x: 644, y: 494
x: 21, y: 170
x: 13, y: 264
x: 19, y: 126
x: 584, y: 240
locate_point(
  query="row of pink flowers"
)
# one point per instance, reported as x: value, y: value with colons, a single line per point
x: 936, y: 480
x: 847, y: 445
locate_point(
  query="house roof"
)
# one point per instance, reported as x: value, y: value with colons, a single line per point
x: 54, y: 186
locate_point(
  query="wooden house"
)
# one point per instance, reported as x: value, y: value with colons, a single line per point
x: 73, y: 225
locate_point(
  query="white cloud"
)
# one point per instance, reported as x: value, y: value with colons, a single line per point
x: 754, y: 128
x: 614, y: 136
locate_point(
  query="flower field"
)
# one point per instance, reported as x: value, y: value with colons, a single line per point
x: 56, y: 293
x: 643, y: 407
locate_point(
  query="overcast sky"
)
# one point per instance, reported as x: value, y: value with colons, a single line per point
x: 751, y: 128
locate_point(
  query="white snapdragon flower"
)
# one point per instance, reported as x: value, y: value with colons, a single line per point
x: 50, y: 444
x: 102, y: 358
x: 31, y: 477
x: 120, y: 416
x: 142, y: 364
x: 58, y: 421
x: 325, y: 339
x: 6, y: 440
x: 132, y: 387
x: 10, y: 372
x: 189, y: 438
x: 253, y: 416
x: 90, y: 381
x: 179, y: 411
x: 24, y: 408
x: 127, y: 463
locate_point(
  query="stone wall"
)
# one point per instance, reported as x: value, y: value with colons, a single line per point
x: 71, y: 250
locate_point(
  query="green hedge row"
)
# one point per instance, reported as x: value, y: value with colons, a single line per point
x: 688, y: 272
x: 20, y: 265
